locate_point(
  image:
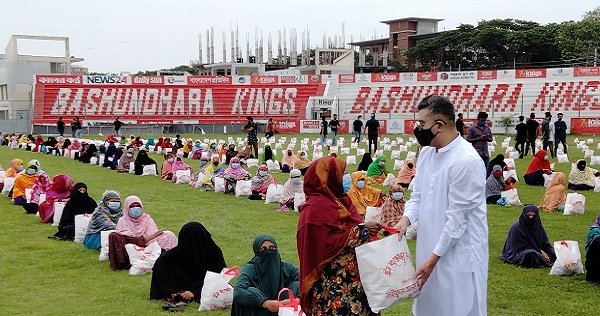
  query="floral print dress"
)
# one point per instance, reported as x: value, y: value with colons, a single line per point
x: 339, y: 291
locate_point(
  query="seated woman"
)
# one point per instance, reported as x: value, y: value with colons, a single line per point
x: 141, y: 161
x: 555, y: 197
x: 111, y: 156
x: 365, y: 162
x: 288, y: 162
x: 74, y: 147
x: 407, y: 173
x: 497, y: 161
x: 527, y: 244
x: 233, y: 174
x: 261, y: 182
x: 494, y: 185
x: 178, y: 165
x: 187, y: 149
x: 582, y: 178
x: 268, y: 154
x: 79, y: 203
x: 88, y: 153
x: 59, y: 190
x: 49, y: 145
x: 135, y: 227
x: 178, y: 274
x: 105, y: 217
x: 245, y: 153
x: 538, y: 166
x: 23, y: 181
x: 123, y: 141
x: 231, y: 152
x: 392, y: 208
x: 59, y: 148
x: 213, y: 169
x: 166, y: 144
x: 592, y: 252
x: 213, y: 150
x: 198, y: 177
x: 292, y: 186
x: 38, y: 143
x: 158, y: 145
x: 260, y: 280
x: 149, y: 142
x: 16, y: 166
x: 377, y: 171
x: 166, y: 172
x: 223, y: 152
x: 196, y: 152
x: 42, y: 184
x: 303, y: 162
x: 125, y: 160
x: 362, y: 194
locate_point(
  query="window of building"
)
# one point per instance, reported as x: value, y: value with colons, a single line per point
x: 3, y: 114
x: 3, y: 92
x: 58, y: 68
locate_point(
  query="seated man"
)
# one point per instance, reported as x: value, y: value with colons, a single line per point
x: 527, y: 244
x: 261, y: 279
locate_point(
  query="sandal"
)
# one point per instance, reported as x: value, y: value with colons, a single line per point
x: 177, y: 307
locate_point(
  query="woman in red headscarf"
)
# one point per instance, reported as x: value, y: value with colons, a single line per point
x: 329, y: 229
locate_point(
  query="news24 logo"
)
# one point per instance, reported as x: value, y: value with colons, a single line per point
x: 107, y: 79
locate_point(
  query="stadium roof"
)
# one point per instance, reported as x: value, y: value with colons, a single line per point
x: 412, y: 18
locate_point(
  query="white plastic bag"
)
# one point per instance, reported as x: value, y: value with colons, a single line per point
x: 513, y: 155
x: 243, y: 188
x: 510, y: 163
x: 273, y: 165
x: 183, y: 176
x: 251, y: 162
x: 350, y: 160
x: 149, y: 170
x: 104, y: 244
x: 28, y: 195
x: 345, y: 151
x: 577, y: 203
x: 94, y: 161
x: 292, y: 307
x: 568, y: 258
x: 563, y: 158
x: 395, y: 154
x: 360, y: 152
x: 317, y: 155
x: 373, y: 214
x: 411, y: 155
x: 299, y: 198
x: 389, y: 180
x: 217, y: 293
x: 595, y: 161
x: 588, y: 153
x: 548, y: 178
x: 398, y: 164
x: 273, y: 193
x: 142, y: 259
x: 81, y: 225
x: 8, y: 185
x: 386, y: 272
x: 511, y: 197
x: 219, y: 184
x: 131, y: 167
x: 58, y: 210
x: 510, y: 173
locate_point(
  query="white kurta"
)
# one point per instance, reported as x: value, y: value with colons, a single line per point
x: 448, y: 200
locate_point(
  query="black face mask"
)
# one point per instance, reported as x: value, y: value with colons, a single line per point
x: 581, y: 166
x: 216, y: 163
x: 425, y: 136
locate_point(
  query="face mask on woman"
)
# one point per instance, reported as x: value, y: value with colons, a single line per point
x: 296, y: 180
x: 289, y: 153
x: 170, y: 159
x: 546, y: 157
x: 203, y: 162
x: 135, y: 212
x: 235, y: 165
x: 130, y: 155
x: 397, y: 196
x: 30, y: 171
x: 216, y: 163
x: 114, y: 205
x: 382, y: 164
x: 480, y: 123
x: 360, y: 184
x: 497, y: 174
x: 20, y: 168
x: 263, y: 173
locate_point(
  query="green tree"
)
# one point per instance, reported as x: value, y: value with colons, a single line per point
x: 592, y: 15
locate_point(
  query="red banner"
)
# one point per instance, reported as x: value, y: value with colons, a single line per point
x: 287, y: 126
x: 427, y: 76
x: 144, y: 80
x: 264, y: 79
x: 487, y: 74
x: 206, y: 80
x: 581, y: 125
x: 409, y: 126
x: 530, y: 73
x: 349, y: 78
x: 385, y: 77
x: 587, y: 71
x: 59, y: 79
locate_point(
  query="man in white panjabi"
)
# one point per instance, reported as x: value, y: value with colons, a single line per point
x: 448, y: 200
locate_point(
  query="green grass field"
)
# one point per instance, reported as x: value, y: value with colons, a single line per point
x: 40, y: 276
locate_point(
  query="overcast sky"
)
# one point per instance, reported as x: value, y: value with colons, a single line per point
x: 132, y: 35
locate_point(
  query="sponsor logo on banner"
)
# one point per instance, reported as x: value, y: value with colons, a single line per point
x: 293, y: 79
x: 314, y: 78
x: 286, y: 126
x: 408, y: 76
x: 560, y: 72
x: 209, y: 80
x: 426, y: 76
x: 395, y: 126
x: 344, y: 127
x: 346, y: 78
x: 141, y: 80
x: 329, y: 78
x: 458, y: 75
x: 243, y: 80
x: 506, y: 74
x: 385, y: 77
x: 175, y: 80
x: 107, y: 79
x: 58, y: 79
x: 585, y: 125
x: 310, y: 126
x: 530, y: 73
x: 587, y: 71
x: 362, y: 78
x: 264, y: 79
x: 323, y: 101
x: 409, y: 126
x: 487, y: 74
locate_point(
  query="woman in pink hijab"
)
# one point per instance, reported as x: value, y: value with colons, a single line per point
x: 178, y: 165
x: 135, y: 227
x: 167, y: 167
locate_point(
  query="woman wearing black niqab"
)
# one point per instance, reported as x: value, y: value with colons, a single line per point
x: 142, y: 160
x: 527, y: 244
x: 79, y: 203
x: 181, y: 270
x: 365, y: 162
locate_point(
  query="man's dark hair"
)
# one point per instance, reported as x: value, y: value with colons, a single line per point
x: 548, y: 114
x: 439, y: 106
x: 559, y: 114
x: 460, y: 115
x: 521, y: 117
x: 532, y: 115
x: 249, y: 118
x: 482, y: 115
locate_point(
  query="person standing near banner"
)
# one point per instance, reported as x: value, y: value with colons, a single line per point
x: 76, y: 127
x: 334, y: 124
x: 117, y: 125
x: 60, y: 125
x: 252, y: 129
x: 448, y: 201
x: 372, y: 128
